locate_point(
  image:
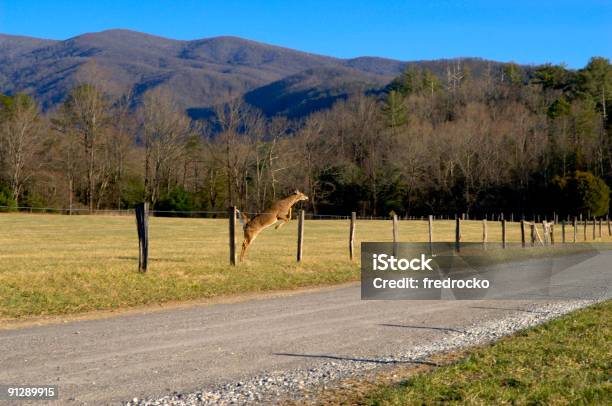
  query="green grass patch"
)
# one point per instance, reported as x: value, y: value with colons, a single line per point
x: 567, y: 361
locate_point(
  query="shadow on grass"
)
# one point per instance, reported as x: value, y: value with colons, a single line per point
x: 354, y: 359
x: 129, y: 258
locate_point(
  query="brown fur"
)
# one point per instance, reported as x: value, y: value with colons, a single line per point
x: 280, y: 210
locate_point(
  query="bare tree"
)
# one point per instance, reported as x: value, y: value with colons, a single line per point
x: 164, y: 130
x: 240, y: 129
x: 119, y: 141
x: 68, y: 156
x: 86, y: 115
x: 308, y: 142
x: 278, y: 128
x: 21, y: 137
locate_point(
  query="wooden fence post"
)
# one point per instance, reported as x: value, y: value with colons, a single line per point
x: 430, y: 233
x: 533, y: 234
x: 552, y: 233
x: 232, y: 235
x: 300, y: 242
x: 585, y: 229
x: 503, y: 234
x: 395, y: 231
x: 594, y: 227
x: 600, y: 234
x: 563, y: 231
x: 352, y: 235
x: 609, y: 225
x: 575, y: 229
x: 485, y: 233
x: 523, y: 233
x: 142, y: 225
x: 458, y: 234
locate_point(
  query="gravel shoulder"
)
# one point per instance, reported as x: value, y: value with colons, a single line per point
x: 263, y: 351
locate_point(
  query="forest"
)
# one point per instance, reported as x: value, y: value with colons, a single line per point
x: 515, y: 139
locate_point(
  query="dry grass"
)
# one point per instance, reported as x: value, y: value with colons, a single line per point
x: 53, y: 264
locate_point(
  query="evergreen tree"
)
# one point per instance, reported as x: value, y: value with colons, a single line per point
x: 394, y: 109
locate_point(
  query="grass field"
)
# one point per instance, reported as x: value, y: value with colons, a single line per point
x: 54, y: 264
x: 563, y: 362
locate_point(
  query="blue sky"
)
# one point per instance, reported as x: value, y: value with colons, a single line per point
x: 523, y: 31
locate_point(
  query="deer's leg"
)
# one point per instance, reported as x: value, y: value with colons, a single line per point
x: 284, y: 220
x: 249, y: 237
x: 245, y: 245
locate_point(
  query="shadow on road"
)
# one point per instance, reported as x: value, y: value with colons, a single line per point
x: 511, y: 309
x: 447, y: 329
x: 368, y: 360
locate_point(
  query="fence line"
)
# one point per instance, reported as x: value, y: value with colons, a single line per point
x: 310, y: 216
x: 548, y: 238
x: 217, y: 213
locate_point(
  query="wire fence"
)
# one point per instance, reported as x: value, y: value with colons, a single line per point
x: 163, y: 213
x: 167, y: 213
x: 528, y: 230
x: 509, y: 217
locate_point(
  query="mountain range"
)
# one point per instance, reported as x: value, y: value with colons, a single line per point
x: 200, y: 73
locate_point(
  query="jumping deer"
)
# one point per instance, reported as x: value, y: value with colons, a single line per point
x: 280, y: 210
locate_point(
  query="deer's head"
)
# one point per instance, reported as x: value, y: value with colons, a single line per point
x: 299, y: 195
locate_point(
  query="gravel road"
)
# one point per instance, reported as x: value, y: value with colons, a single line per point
x: 258, y: 351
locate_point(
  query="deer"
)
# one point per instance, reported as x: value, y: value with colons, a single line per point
x: 281, y: 210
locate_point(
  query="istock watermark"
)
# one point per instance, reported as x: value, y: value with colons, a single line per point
x: 382, y: 262
x: 424, y: 271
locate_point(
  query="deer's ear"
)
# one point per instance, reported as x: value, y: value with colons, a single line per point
x: 296, y: 192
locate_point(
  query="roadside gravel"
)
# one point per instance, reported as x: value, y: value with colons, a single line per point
x: 274, y: 386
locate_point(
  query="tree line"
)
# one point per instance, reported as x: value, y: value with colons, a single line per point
x: 518, y: 140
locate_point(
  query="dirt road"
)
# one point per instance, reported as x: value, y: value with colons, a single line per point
x: 150, y: 355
